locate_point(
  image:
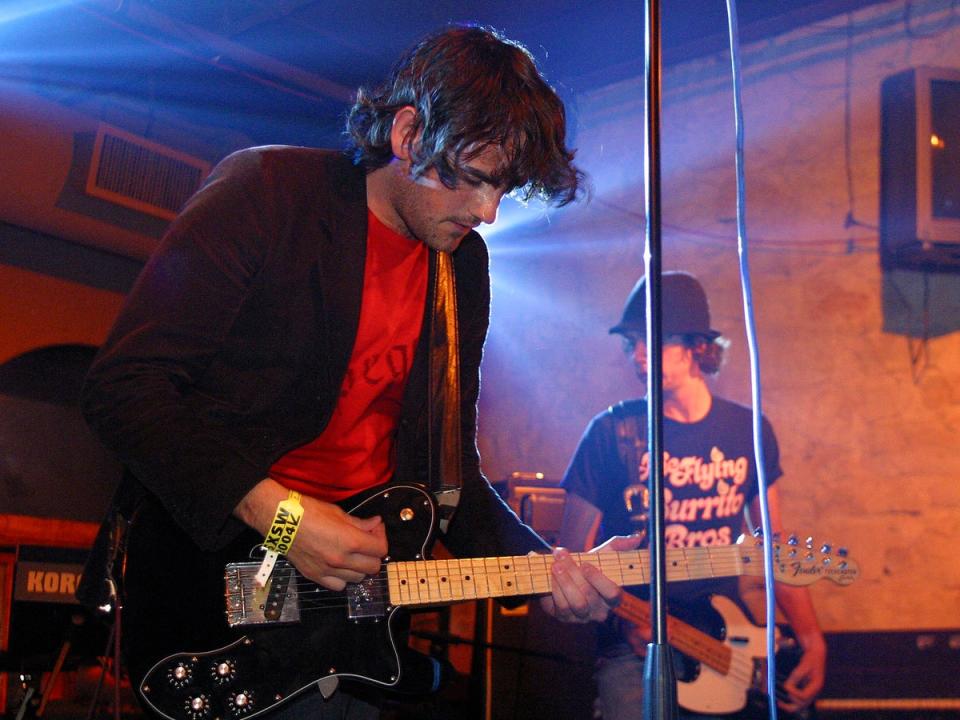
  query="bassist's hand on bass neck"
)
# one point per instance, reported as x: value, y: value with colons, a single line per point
x: 332, y: 547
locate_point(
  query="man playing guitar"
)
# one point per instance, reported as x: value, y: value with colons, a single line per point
x: 710, y: 489
x: 311, y: 326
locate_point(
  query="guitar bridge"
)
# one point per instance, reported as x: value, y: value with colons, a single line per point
x: 366, y: 600
x: 249, y: 604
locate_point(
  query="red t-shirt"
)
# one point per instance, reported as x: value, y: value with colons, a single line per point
x: 355, y: 451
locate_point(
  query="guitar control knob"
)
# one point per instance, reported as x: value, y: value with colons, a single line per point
x: 180, y: 675
x: 241, y: 703
x: 223, y: 671
x: 197, y: 707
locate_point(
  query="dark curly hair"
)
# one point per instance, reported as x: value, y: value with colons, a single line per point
x: 471, y: 87
x: 707, y: 352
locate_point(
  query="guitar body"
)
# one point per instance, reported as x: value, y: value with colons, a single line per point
x: 203, y: 641
x: 189, y: 663
x: 742, y: 689
x: 710, y: 691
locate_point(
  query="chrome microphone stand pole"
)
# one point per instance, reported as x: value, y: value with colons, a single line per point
x: 659, y: 678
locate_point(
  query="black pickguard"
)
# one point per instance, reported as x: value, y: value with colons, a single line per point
x: 176, y: 635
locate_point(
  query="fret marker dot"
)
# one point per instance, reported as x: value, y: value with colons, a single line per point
x: 422, y: 581
x: 403, y: 582
x: 467, y: 578
x: 509, y: 583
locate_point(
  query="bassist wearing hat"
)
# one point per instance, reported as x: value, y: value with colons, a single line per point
x: 710, y: 490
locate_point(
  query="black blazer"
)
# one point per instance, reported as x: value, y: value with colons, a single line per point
x: 232, y: 347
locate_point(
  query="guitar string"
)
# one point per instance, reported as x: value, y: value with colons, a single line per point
x: 700, y: 570
x: 716, y: 571
x: 717, y: 567
x: 675, y: 556
x: 429, y: 591
x: 697, y: 566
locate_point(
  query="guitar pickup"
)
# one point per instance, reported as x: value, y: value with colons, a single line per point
x: 249, y: 604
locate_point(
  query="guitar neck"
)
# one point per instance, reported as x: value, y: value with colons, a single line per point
x: 686, y: 638
x: 426, y: 582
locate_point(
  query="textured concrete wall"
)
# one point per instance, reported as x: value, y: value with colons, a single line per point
x: 867, y: 420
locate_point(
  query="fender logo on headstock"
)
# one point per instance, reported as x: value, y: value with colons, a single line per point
x: 841, y: 575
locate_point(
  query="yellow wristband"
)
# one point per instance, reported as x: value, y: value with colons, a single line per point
x: 286, y: 522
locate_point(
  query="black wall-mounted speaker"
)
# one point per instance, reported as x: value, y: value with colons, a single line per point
x: 920, y: 170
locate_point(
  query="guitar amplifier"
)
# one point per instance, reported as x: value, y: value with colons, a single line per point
x: 902, y: 675
x: 523, y: 651
x: 537, y: 500
x: 532, y: 666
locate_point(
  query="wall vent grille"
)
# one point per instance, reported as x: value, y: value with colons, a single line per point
x: 136, y: 173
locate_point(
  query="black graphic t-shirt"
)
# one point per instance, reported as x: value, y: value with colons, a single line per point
x: 709, y: 478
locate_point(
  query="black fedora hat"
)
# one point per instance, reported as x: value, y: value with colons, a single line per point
x: 685, y: 310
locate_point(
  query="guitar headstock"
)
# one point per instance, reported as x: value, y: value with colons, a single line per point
x: 800, y: 561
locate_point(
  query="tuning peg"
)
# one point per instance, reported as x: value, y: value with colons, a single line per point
x: 842, y: 552
x: 809, y: 543
x: 792, y: 540
x: 825, y: 548
x: 842, y: 565
x: 826, y: 560
x: 758, y: 532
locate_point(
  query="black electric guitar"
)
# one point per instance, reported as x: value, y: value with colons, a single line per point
x: 204, y: 641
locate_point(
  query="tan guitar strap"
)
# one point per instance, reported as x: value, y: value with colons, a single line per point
x: 631, y: 430
x: 444, y: 400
